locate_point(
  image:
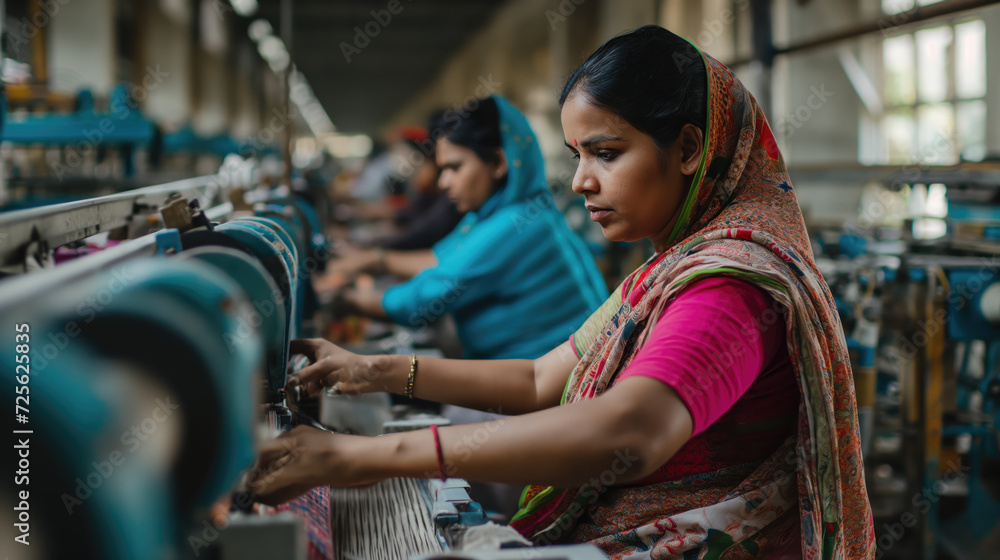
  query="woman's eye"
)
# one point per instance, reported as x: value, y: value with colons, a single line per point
x: 607, y: 155
x: 574, y: 156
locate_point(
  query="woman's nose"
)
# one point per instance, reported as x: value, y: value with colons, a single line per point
x: 583, y: 182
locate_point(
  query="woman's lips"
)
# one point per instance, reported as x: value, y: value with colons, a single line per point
x: 597, y: 213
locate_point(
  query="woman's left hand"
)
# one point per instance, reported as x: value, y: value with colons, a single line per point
x: 352, y: 259
x: 304, y: 458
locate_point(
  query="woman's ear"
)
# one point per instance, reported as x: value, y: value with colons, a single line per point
x: 692, y: 144
x: 501, y: 169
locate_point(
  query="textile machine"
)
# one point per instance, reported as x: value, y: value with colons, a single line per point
x: 89, y: 132
x: 158, y: 357
x: 922, y: 317
x: 186, y: 140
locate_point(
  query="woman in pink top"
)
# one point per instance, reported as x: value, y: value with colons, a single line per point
x: 706, y: 410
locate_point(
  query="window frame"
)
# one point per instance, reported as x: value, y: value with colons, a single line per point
x: 875, y: 124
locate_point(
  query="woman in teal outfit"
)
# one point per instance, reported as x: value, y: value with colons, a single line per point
x: 513, y: 275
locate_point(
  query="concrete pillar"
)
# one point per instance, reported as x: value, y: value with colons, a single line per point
x: 991, y: 17
x: 81, y: 45
x: 246, y: 114
x: 618, y: 17
x: 816, y: 113
x: 816, y: 116
x: 167, y: 46
x: 212, y: 116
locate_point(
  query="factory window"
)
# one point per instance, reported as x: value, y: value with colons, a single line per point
x: 934, y: 85
x: 928, y: 206
x: 897, y: 6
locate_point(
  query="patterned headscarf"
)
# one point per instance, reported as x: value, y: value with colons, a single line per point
x: 740, y: 218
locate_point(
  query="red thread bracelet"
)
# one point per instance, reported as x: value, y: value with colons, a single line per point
x: 440, y: 454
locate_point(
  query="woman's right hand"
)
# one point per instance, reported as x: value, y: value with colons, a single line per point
x: 352, y: 259
x: 332, y: 366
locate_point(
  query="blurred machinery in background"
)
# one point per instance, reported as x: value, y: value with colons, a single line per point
x: 68, y: 155
x: 920, y: 304
x: 159, y: 322
x: 150, y: 358
x: 89, y: 132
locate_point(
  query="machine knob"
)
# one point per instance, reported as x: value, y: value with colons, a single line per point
x: 993, y: 391
x: 989, y: 304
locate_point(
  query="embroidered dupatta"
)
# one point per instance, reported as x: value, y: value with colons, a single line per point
x: 740, y: 218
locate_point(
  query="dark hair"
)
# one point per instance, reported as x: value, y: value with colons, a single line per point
x: 475, y: 125
x: 650, y: 77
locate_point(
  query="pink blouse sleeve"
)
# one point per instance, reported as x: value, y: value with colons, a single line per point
x: 710, y: 345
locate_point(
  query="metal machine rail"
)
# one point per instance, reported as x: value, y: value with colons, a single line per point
x: 17, y: 290
x: 58, y: 224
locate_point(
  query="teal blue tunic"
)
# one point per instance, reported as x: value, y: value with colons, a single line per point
x: 513, y: 275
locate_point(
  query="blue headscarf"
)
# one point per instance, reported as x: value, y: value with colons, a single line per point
x: 514, y: 260
x: 526, y: 184
x: 525, y: 166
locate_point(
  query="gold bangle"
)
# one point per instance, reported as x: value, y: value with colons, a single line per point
x: 408, y: 392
